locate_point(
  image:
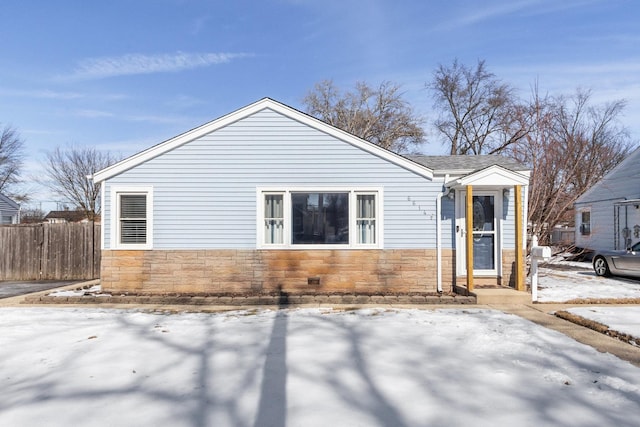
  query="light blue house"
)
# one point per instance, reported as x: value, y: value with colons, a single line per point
x: 9, y: 211
x: 608, y: 214
x: 268, y: 198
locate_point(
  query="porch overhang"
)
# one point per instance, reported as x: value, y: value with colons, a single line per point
x: 628, y: 202
x: 493, y: 176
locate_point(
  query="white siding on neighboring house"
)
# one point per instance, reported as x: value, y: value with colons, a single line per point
x: 607, y: 216
x: 204, y: 192
x: 9, y: 211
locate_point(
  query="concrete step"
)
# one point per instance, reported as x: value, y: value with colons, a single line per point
x: 501, y: 296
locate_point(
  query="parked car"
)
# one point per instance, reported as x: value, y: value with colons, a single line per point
x: 621, y: 263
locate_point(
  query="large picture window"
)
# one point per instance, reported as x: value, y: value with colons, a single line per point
x: 319, y: 218
x: 340, y: 218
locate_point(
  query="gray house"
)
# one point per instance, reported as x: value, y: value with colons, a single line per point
x: 268, y: 198
x: 9, y: 210
x: 608, y: 214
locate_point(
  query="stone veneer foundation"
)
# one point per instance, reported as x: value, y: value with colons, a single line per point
x: 509, y: 267
x: 263, y: 271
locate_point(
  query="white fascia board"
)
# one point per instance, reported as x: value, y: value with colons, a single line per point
x: 245, y: 112
x: 493, y: 176
x: 464, y: 172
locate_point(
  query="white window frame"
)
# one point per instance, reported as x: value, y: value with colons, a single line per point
x: 460, y: 241
x: 116, y: 192
x: 353, y: 194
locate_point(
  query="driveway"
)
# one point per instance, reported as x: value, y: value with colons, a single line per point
x: 13, y: 289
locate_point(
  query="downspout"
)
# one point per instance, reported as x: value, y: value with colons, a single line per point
x: 439, y: 234
x: 525, y: 215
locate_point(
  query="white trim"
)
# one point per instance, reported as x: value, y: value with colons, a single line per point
x: 265, y: 103
x: 117, y: 190
x: 286, y: 191
x: 495, y: 176
x: 104, y: 219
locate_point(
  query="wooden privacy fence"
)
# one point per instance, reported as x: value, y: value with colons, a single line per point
x: 50, y: 251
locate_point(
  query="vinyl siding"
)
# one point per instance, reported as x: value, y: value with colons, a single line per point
x: 602, y: 229
x: 205, y: 190
x: 508, y: 221
x: 623, y: 182
x: 8, y: 213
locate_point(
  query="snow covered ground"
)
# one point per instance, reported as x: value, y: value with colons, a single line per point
x: 303, y: 367
x: 563, y: 281
x: 566, y: 281
x: 620, y: 319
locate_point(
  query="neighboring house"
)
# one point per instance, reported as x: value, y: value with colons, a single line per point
x: 9, y: 211
x: 608, y: 214
x: 57, y: 217
x: 270, y: 199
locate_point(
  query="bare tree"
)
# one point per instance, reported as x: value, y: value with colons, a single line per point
x: 66, y: 172
x: 31, y: 215
x: 11, y: 156
x: 378, y: 115
x: 477, y: 110
x: 572, y: 144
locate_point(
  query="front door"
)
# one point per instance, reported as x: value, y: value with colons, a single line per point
x: 486, y: 233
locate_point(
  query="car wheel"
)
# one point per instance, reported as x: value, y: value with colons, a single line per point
x: 601, y: 267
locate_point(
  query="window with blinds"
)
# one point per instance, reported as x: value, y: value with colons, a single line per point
x: 133, y: 218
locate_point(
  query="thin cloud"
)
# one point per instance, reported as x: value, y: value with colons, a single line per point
x: 160, y: 119
x: 132, y: 64
x: 585, y: 74
x: 93, y: 114
x: 484, y: 12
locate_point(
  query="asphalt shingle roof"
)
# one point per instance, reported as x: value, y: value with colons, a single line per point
x: 466, y: 164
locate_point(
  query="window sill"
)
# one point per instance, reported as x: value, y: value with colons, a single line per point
x: 132, y: 248
x: 318, y: 247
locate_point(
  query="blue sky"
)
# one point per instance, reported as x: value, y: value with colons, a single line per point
x: 123, y: 75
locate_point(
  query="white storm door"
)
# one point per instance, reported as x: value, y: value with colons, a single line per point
x: 486, y: 233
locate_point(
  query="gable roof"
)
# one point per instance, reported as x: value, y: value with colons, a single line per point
x: 265, y: 103
x: 494, y: 175
x: 631, y: 160
x: 465, y: 164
